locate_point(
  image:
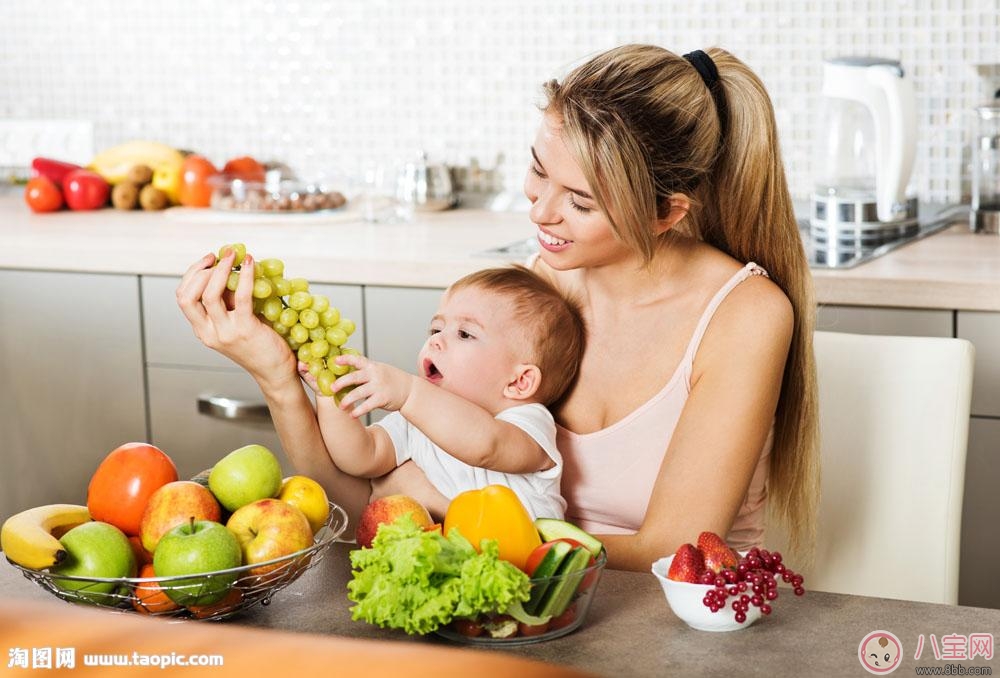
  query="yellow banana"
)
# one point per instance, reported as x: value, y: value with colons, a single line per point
x: 26, y: 538
x: 114, y: 163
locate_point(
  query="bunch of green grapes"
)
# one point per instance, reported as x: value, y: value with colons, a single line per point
x: 313, y: 328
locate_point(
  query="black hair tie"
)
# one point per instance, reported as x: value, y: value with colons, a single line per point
x: 710, y: 75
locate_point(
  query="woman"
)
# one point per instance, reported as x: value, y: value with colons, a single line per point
x: 655, y: 182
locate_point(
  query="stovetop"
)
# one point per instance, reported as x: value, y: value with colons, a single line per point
x: 822, y: 254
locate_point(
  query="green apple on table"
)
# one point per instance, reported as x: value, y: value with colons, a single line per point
x: 192, y: 548
x: 267, y: 529
x: 245, y: 475
x: 94, y: 549
x: 172, y: 504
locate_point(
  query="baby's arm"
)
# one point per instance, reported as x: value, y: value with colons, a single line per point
x: 363, y: 452
x: 461, y: 428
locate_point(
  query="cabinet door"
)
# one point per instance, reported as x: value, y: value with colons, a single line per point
x: 905, y: 322
x: 71, y: 383
x: 983, y: 330
x: 397, y: 319
x: 197, y: 437
x: 980, y: 538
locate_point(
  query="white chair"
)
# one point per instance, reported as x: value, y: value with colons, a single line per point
x: 894, y: 423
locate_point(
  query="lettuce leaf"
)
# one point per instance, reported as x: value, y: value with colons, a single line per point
x: 417, y: 581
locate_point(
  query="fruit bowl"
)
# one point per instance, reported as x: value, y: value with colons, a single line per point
x: 571, y: 596
x: 250, y: 584
x: 687, y: 602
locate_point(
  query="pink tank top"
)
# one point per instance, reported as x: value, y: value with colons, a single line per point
x: 609, y: 474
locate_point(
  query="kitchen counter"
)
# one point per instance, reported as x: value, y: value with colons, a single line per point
x: 954, y: 269
x: 631, y: 631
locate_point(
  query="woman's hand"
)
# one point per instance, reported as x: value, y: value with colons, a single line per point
x: 235, y: 333
x: 408, y: 479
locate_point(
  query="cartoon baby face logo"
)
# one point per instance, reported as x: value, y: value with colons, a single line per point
x: 880, y: 652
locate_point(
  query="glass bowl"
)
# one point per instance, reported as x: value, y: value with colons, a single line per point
x: 565, y: 619
x: 685, y: 600
x: 244, y: 588
x: 281, y: 196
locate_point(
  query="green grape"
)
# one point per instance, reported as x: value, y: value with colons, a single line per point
x: 299, y: 333
x: 271, y: 267
x: 339, y: 395
x: 280, y: 328
x: 309, y: 318
x: 233, y: 281
x: 321, y: 302
x: 288, y: 317
x: 305, y: 352
x: 262, y: 288
x: 316, y: 366
x: 271, y: 308
x: 347, y: 350
x: 324, y: 379
x: 282, y: 287
x: 300, y: 300
x: 258, y: 306
x: 329, y: 317
x: 338, y: 369
x: 258, y: 273
x: 239, y: 248
x: 292, y: 344
x: 299, y: 284
x: 347, y: 326
x: 317, y: 333
x: 336, y: 336
x: 320, y: 348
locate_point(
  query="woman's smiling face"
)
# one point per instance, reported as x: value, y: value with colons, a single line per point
x: 572, y: 230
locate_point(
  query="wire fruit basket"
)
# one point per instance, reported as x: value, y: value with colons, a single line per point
x: 211, y: 595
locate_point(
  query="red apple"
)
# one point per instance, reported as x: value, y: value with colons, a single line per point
x: 386, y: 510
x: 267, y: 529
x: 172, y: 504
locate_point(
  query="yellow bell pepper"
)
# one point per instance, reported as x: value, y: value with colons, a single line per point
x: 494, y: 512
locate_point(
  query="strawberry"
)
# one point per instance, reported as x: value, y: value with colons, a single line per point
x: 718, y: 555
x: 688, y: 564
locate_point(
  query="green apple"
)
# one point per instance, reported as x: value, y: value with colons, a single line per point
x: 95, y: 549
x: 197, y: 547
x: 245, y: 475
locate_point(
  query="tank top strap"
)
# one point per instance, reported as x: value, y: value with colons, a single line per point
x: 706, y: 317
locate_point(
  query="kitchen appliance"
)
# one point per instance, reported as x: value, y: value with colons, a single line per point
x: 985, y: 214
x: 427, y: 187
x: 866, y: 143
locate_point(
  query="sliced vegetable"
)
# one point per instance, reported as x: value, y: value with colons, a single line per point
x: 560, y: 594
x: 544, y: 562
x: 552, y: 528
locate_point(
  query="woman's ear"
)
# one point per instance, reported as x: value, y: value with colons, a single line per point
x: 679, y: 206
x: 527, y: 379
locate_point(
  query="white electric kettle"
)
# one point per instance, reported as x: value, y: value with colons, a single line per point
x: 867, y: 143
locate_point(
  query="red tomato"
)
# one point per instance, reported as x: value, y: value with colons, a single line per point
x: 42, y: 195
x: 85, y: 190
x: 195, y: 189
x: 245, y: 168
x: 529, y: 630
x: 467, y: 627
x: 121, y: 485
x: 565, y: 619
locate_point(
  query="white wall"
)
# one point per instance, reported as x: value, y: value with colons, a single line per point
x: 324, y: 84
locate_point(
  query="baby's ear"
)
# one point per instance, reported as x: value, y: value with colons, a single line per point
x: 524, y: 385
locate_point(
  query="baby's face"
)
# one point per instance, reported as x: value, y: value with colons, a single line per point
x: 474, y: 346
x: 881, y: 652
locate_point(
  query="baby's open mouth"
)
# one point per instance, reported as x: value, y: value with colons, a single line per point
x: 431, y: 372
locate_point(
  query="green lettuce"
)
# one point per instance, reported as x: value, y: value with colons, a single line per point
x: 417, y: 581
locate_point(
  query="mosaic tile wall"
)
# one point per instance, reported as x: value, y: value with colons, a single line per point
x: 326, y: 85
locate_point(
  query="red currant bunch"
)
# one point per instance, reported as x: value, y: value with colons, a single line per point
x: 753, y: 582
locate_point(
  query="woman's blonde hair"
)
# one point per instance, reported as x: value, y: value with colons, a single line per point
x: 644, y: 125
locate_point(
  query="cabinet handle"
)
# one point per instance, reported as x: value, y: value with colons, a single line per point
x: 222, y: 407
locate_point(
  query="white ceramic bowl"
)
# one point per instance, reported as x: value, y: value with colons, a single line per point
x: 686, y: 602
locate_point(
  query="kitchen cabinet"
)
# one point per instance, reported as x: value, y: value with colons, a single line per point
x: 980, y: 540
x: 983, y: 330
x: 907, y: 322
x: 182, y: 372
x: 397, y: 320
x: 72, y: 381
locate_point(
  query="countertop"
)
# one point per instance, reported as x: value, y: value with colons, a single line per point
x: 953, y: 269
x: 630, y: 631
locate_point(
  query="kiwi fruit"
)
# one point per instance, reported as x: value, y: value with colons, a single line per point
x: 139, y: 174
x: 125, y: 196
x: 152, y: 198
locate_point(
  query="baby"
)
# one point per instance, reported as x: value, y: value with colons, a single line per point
x: 503, y: 345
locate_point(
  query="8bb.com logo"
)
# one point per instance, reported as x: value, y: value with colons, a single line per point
x: 880, y: 652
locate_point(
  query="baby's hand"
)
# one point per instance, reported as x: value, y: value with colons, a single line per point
x: 375, y: 385
x: 309, y: 379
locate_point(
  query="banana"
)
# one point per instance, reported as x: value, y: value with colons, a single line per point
x: 26, y: 538
x: 114, y: 163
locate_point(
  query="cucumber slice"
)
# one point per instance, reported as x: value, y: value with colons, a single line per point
x: 552, y: 528
x: 560, y: 593
x: 554, y: 557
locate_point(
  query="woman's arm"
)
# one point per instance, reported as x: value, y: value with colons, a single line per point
x: 715, y: 448
x: 240, y: 336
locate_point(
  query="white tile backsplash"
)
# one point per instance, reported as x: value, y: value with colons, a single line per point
x: 327, y: 84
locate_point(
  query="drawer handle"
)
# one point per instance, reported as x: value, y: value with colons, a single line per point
x: 222, y: 407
